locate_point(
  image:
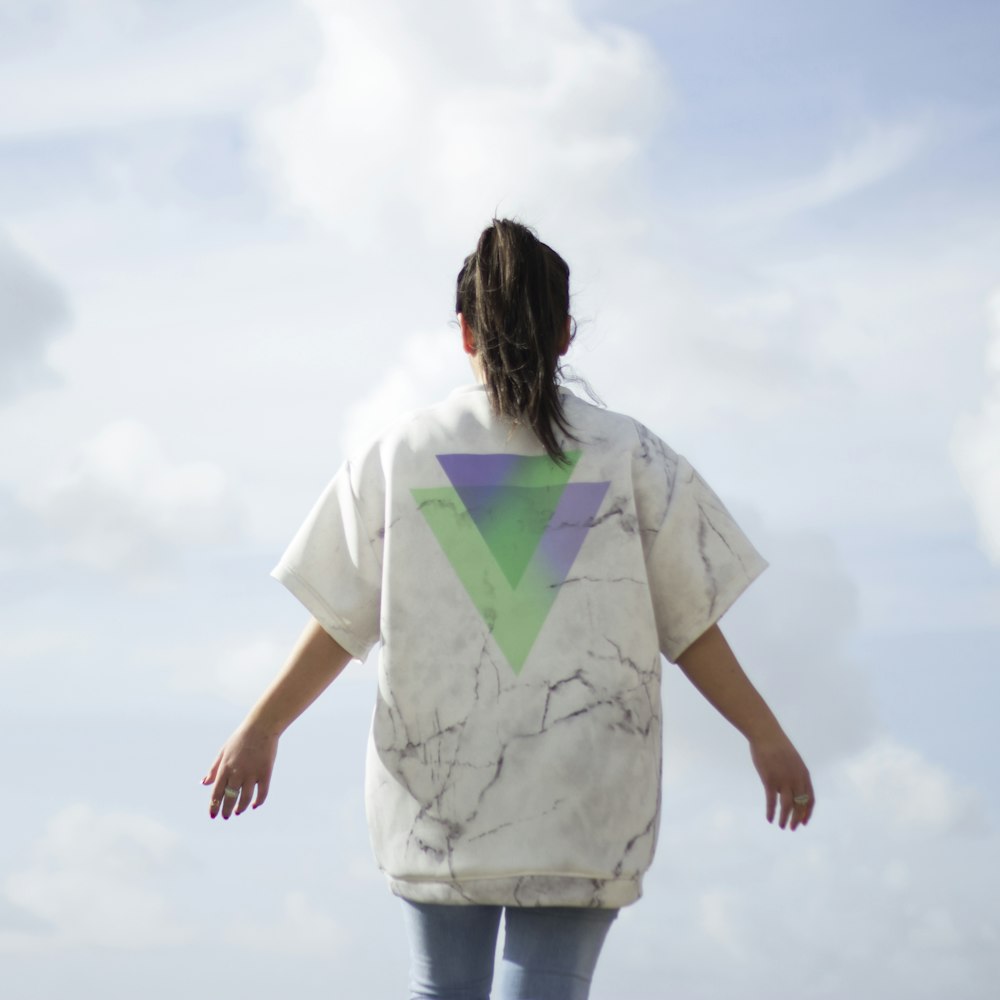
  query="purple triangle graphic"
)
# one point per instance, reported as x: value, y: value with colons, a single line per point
x: 569, y: 525
x: 479, y: 470
x: 533, y: 523
x: 480, y: 480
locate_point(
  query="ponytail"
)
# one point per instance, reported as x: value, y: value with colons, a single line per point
x: 513, y: 291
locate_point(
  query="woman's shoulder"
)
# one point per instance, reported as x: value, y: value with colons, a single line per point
x: 618, y: 429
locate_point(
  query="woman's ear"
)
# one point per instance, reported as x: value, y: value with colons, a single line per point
x: 468, y: 337
x: 567, y: 337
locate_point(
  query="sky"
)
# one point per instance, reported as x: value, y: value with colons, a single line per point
x: 229, y: 235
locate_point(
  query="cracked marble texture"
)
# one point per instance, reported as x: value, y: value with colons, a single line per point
x: 522, y: 609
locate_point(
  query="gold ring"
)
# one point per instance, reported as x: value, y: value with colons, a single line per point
x: 231, y: 793
x: 802, y: 800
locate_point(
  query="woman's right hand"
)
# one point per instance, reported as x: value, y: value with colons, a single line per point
x: 245, y: 762
x: 247, y: 759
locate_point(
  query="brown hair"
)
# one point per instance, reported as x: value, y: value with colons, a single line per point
x: 513, y: 291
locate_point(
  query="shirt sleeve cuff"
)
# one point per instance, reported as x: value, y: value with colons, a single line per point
x: 332, y: 623
x: 673, y: 646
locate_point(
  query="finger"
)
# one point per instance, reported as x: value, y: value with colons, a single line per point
x: 772, y: 803
x: 797, y: 813
x: 803, y: 806
x: 805, y: 801
x: 230, y: 794
x: 218, y: 800
x: 210, y: 777
x: 246, y: 795
x: 807, y: 813
x: 786, y: 807
x: 263, y: 784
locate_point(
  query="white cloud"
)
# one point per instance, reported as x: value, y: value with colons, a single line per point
x: 37, y: 642
x: 824, y: 385
x: 880, y: 152
x: 91, y: 882
x: 301, y: 929
x: 890, y: 891
x: 116, y: 62
x: 440, y: 113
x: 33, y: 310
x: 425, y: 368
x: 239, y: 673
x: 243, y: 672
x: 124, y: 504
x: 20, y: 531
x: 976, y: 445
x: 719, y: 922
x: 791, y: 630
x: 896, y: 785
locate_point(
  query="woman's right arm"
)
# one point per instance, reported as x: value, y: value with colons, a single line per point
x: 713, y: 669
x: 246, y: 760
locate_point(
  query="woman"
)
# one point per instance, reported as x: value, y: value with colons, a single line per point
x: 524, y: 558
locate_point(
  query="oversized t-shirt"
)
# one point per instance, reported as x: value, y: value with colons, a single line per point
x: 522, y: 607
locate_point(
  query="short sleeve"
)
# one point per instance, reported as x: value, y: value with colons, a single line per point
x: 332, y: 567
x: 698, y: 563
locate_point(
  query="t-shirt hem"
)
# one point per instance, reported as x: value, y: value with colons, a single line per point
x: 522, y: 890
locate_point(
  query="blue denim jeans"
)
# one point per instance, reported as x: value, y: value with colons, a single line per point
x: 549, y: 952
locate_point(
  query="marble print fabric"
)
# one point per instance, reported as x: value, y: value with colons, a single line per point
x: 522, y: 607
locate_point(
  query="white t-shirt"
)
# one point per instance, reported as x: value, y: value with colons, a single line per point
x: 522, y: 607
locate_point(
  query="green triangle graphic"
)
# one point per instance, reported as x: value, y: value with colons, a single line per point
x: 511, y: 527
x: 512, y: 520
x: 511, y: 514
x: 515, y: 615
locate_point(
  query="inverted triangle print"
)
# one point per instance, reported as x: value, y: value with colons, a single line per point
x: 511, y: 527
